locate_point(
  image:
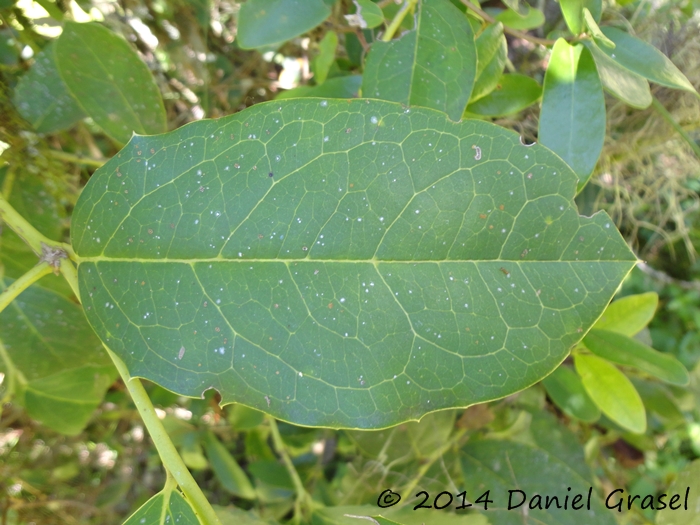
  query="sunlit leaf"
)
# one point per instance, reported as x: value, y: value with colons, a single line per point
x: 572, y: 119
x: 60, y: 367
x: 532, y: 19
x: 42, y: 98
x: 267, y: 22
x: 573, y: 13
x: 109, y: 80
x: 629, y: 315
x: 433, y: 65
x: 612, y: 392
x: 368, y: 14
x: 624, y: 350
x: 341, y: 263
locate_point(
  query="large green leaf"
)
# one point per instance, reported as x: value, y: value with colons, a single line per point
x: 612, y: 392
x: 621, y: 82
x: 572, y: 120
x: 165, y: 508
x: 503, y: 466
x: 109, y: 80
x: 624, y: 350
x: 60, y: 367
x: 341, y: 263
x: 43, y: 99
x: 433, y: 65
x: 644, y: 59
x: 266, y: 22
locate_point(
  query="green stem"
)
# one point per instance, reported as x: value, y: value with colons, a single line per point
x: 398, y: 18
x: 21, y: 227
x: 675, y: 125
x: 10, y: 375
x: 75, y: 159
x: 166, y: 450
x: 303, y: 501
x: 24, y: 282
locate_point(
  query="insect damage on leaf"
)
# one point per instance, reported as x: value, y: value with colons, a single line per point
x: 376, y: 253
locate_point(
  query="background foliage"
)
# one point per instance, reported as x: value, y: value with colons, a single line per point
x: 606, y: 418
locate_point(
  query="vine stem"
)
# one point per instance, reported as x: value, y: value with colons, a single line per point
x: 24, y: 282
x: 675, y: 125
x: 172, y: 461
x: 398, y: 18
x: 75, y: 159
x: 303, y: 498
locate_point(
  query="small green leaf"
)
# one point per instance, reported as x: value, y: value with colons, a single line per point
x: 630, y: 314
x: 433, y: 65
x: 266, y: 22
x: 492, y: 52
x: 624, y: 350
x: 227, y: 470
x: 595, y: 30
x: 572, y: 119
x: 619, y: 81
x: 612, y: 392
x: 513, y: 93
x: 164, y: 509
x: 566, y: 390
x: 573, y: 13
x: 532, y: 19
x: 517, y: 7
x: 331, y: 241
x: 109, y: 81
x: 61, y: 368
x: 337, y: 87
x: 43, y: 99
x: 323, y: 62
x: 501, y: 466
x: 659, y: 400
x: 368, y: 14
x: 645, y: 60
x: 241, y: 417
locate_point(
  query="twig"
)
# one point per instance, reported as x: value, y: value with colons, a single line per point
x: 75, y: 159
x: 664, y: 278
x: 398, y: 18
x: 24, y: 282
x: 506, y: 29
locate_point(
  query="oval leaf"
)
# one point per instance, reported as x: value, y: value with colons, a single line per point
x: 109, y: 80
x: 532, y: 19
x: 629, y: 315
x: 566, y: 390
x: 492, y: 51
x: 573, y: 13
x: 368, y: 14
x: 619, y: 81
x: 341, y: 263
x: 323, y: 62
x: 227, y: 470
x: 572, y: 120
x: 612, y: 392
x: 433, y: 65
x: 624, y: 350
x: 43, y: 99
x: 267, y: 22
x: 165, y: 508
x: 513, y: 93
x: 644, y: 59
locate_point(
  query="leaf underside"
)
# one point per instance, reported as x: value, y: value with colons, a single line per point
x: 341, y: 263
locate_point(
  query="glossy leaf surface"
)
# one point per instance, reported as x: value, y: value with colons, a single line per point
x: 267, y: 22
x: 572, y: 119
x: 624, y: 350
x: 60, y: 367
x: 43, y: 99
x: 612, y: 392
x: 433, y: 65
x: 109, y: 80
x: 341, y: 263
x: 164, y: 509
